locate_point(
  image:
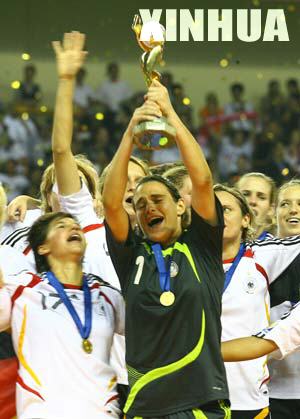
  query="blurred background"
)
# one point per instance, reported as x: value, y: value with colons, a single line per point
x: 241, y: 100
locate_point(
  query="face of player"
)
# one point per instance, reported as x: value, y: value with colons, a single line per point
x: 186, y: 192
x: 158, y: 216
x: 135, y: 173
x: 234, y: 220
x: 288, y: 212
x: 257, y: 191
x: 65, y: 241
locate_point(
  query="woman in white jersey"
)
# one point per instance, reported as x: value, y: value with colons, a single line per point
x: 63, y: 322
x: 260, y: 192
x: 281, y: 339
x: 284, y: 385
x: 8, y: 362
x: 249, y: 268
x: 74, y: 197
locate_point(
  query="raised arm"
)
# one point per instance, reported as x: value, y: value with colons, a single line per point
x: 117, y: 175
x: 203, y: 199
x: 69, y: 59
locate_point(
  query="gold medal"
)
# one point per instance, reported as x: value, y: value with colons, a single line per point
x: 167, y: 298
x: 87, y: 346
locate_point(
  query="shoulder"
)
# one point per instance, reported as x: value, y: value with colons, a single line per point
x: 274, y: 242
x: 95, y: 282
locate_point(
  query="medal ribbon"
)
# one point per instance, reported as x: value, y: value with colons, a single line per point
x: 83, y: 329
x: 164, y: 271
x: 231, y: 270
x: 263, y: 235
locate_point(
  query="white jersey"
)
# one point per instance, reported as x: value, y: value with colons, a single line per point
x: 246, y: 310
x: 15, y: 236
x: 9, y: 228
x: 56, y: 378
x: 285, y: 333
x: 96, y: 259
x: 285, y: 374
x: 12, y: 262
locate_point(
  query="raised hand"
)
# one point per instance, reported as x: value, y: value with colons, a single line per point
x: 147, y: 112
x: 69, y: 54
x: 159, y: 94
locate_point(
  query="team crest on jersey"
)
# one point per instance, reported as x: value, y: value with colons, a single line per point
x: 250, y: 285
x: 173, y: 269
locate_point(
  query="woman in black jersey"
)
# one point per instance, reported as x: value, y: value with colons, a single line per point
x: 172, y: 280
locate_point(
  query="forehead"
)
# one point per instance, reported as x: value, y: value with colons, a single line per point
x: 292, y: 192
x: 227, y: 198
x: 134, y: 170
x: 255, y: 184
x: 151, y: 188
x: 63, y: 220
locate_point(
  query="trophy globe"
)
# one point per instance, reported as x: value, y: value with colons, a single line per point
x: 156, y: 134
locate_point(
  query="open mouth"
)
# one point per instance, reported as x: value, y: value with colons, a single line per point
x: 155, y: 221
x: 293, y: 220
x: 129, y: 200
x: 75, y: 237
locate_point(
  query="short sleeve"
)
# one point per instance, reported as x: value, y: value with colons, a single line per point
x: 286, y: 286
x: 276, y: 254
x: 203, y: 232
x: 121, y: 253
x: 285, y: 333
x: 80, y: 205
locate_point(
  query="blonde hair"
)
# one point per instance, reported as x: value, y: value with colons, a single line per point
x: 3, y: 203
x: 248, y: 232
x: 267, y: 179
x: 48, y: 179
x: 139, y: 162
x: 292, y: 183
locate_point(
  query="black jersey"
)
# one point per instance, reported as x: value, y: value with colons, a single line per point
x: 173, y: 353
x: 287, y: 285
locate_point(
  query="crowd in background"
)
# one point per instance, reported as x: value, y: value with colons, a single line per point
x: 237, y: 137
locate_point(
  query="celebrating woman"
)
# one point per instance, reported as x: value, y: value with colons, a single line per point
x: 249, y: 268
x: 62, y: 323
x: 172, y: 280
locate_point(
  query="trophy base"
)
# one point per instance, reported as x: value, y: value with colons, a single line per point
x: 154, y: 135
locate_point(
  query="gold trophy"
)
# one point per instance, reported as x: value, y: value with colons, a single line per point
x: 156, y: 134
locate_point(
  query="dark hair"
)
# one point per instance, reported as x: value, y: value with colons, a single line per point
x: 38, y: 234
x: 160, y: 169
x: 185, y: 218
x: 237, y: 86
x: 292, y: 82
x: 157, y: 178
x: 112, y: 65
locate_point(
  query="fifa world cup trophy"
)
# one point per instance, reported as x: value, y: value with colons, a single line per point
x: 156, y: 134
